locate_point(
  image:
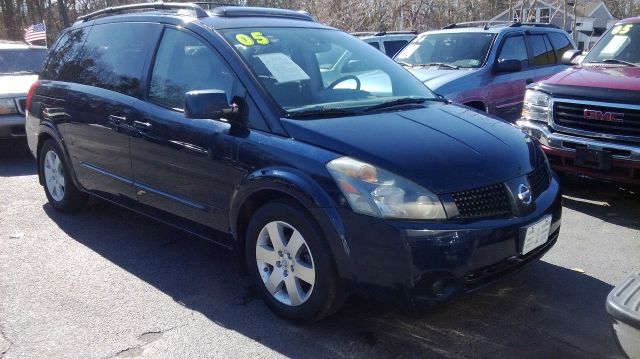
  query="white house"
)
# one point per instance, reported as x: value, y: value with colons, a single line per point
x: 593, y: 17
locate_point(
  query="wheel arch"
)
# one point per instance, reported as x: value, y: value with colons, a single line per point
x: 265, y: 185
x: 48, y: 131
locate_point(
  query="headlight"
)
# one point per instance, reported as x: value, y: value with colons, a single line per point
x: 376, y: 192
x: 7, y: 106
x: 537, y: 106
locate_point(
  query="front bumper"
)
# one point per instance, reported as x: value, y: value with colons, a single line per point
x: 430, y: 262
x: 12, y: 127
x: 560, y: 148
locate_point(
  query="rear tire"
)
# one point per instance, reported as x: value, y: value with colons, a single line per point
x: 291, y: 263
x: 61, y: 192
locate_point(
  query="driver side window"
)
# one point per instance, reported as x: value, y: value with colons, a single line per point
x: 514, y: 48
x: 184, y: 63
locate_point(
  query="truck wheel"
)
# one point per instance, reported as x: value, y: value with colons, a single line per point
x: 61, y: 192
x: 291, y: 263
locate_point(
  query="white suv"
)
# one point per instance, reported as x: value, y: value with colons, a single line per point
x: 19, y: 68
x: 389, y: 42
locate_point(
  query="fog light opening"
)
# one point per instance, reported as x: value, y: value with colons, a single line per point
x: 443, y: 287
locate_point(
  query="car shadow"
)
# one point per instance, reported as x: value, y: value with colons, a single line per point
x: 611, y: 202
x: 21, y: 164
x: 545, y: 310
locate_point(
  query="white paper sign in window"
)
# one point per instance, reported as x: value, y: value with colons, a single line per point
x: 615, y: 45
x: 282, y: 67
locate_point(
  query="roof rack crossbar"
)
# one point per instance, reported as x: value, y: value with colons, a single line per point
x: 240, y: 11
x: 199, y: 12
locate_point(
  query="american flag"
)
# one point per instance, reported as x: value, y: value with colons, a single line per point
x: 35, y: 32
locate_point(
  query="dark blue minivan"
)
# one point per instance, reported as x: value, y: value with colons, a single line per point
x: 233, y: 124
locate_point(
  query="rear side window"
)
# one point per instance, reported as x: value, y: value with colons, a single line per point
x: 393, y: 47
x: 542, y: 51
x: 560, y: 43
x: 184, y: 63
x: 374, y: 44
x: 66, y: 58
x: 115, y: 56
x: 514, y: 47
x: 550, y: 52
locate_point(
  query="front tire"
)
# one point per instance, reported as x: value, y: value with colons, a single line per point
x: 61, y: 192
x: 291, y: 263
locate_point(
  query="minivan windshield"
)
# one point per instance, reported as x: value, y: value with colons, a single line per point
x: 451, y: 50
x: 316, y: 72
x: 21, y: 61
x: 620, y: 45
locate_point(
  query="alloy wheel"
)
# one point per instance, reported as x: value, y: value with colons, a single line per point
x: 285, y: 263
x: 54, y: 175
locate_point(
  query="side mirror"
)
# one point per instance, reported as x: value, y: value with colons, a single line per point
x: 508, y: 65
x: 210, y: 104
x: 572, y: 57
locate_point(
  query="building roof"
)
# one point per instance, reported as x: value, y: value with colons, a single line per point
x: 584, y: 8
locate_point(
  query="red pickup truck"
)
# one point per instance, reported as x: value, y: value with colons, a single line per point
x: 587, y: 118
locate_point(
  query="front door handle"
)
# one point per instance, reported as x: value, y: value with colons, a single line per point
x: 529, y: 81
x: 117, y: 119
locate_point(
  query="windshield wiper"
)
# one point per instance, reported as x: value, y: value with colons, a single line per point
x: 321, y: 112
x: 440, y: 64
x: 615, y: 61
x: 405, y: 64
x: 400, y: 102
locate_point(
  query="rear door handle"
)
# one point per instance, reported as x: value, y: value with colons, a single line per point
x: 142, y: 124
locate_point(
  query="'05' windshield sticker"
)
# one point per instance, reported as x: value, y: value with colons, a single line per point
x: 255, y: 38
x: 621, y: 29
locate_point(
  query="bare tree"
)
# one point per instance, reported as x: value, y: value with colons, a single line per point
x: 347, y: 15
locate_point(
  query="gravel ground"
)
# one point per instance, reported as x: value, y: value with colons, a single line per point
x: 110, y: 283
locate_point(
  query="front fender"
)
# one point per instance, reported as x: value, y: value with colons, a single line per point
x: 308, y: 193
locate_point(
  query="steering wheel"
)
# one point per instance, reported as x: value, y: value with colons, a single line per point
x: 345, y: 78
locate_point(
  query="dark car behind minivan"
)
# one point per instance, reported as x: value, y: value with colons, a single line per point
x: 223, y: 123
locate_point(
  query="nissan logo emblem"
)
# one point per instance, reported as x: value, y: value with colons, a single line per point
x: 524, y: 194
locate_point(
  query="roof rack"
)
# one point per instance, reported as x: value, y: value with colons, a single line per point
x: 240, y: 11
x: 382, y: 33
x: 199, y: 12
x: 207, y: 5
x: 364, y: 33
x: 534, y: 24
x: 487, y: 24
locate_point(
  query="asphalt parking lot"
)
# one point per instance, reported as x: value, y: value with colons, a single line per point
x: 109, y: 283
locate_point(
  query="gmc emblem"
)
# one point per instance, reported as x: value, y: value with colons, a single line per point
x: 603, y: 116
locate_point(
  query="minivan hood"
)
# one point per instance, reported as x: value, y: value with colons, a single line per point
x: 434, y: 76
x: 443, y: 147
x: 610, y: 77
x: 16, y: 84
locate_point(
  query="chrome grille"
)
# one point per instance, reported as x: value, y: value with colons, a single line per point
x: 572, y: 115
